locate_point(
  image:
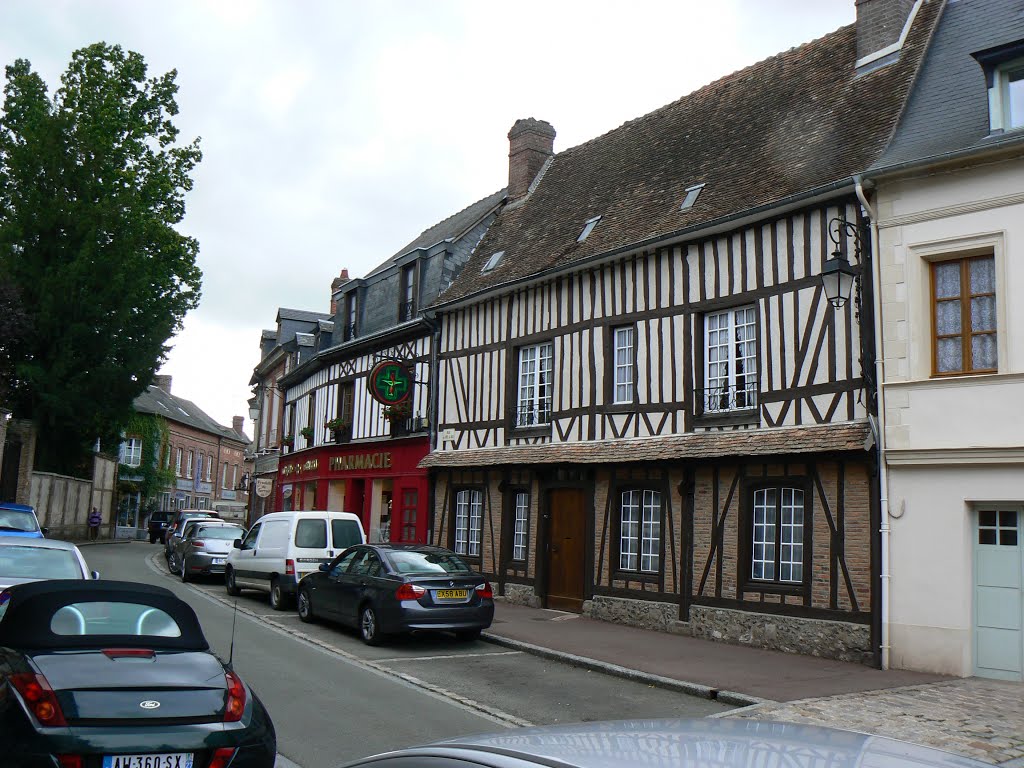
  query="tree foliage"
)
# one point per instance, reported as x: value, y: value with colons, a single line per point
x: 92, y: 184
x: 151, y: 477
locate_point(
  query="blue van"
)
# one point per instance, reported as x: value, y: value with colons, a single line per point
x: 19, y: 520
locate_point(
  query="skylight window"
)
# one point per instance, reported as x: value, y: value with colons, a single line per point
x: 691, y: 197
x: 492, y: 262
x: 588, y: 228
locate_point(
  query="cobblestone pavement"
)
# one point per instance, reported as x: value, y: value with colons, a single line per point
x: 982, y: 719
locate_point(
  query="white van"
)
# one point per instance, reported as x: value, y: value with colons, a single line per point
x: 282, y: 547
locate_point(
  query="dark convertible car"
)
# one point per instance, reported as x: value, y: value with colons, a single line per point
x: 385, y: 589
x: 109, y: 674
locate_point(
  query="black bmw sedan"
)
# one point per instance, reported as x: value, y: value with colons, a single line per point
x: 385, y: 589
x: 109, y: 674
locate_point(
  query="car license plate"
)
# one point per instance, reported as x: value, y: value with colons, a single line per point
x: 218, y: 561
x: 450, y: 594
x: 167, y: 760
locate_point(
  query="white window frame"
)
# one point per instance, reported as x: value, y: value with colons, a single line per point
x: 224, y: 476
x: 730, y: 344
x: 536, y: 366
x: 640, y: 530
x: 624, y: 362
x: 130, y: 452
x: 199, y: 465
x: 775, y: 507
x: 209, y: 467
x: 1000, y: 117
x: 521, y: 523
x: 177, y: 462
x: 469, y: 506
x: 234, y: 476
x: 188, y: 466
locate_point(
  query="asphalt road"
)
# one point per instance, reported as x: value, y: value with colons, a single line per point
x: 334, y: 699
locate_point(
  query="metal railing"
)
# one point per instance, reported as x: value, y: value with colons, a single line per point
x: 741, y: 396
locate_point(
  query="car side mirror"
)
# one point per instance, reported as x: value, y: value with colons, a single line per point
x: 95, y: 574
x: 236, y: 544
x: 44, y: 530
x: 325, y: 567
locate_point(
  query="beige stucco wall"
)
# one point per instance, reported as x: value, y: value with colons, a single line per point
x: 955, y: 442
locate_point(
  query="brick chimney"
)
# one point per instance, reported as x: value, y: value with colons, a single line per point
x: 162, y: 382
x: 880, y: 25
x: 531, y: 143
x: 238, y: 424
x: 337, y: 283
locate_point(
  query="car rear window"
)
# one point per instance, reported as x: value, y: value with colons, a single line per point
x: 412, y: 561
x: 311, y: 534
x: 229, y: 532
x: 113, y: 618
x: 38, y: 563
x: 13, y: 520
x: 345, y: 533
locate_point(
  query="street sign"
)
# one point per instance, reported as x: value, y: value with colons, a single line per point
x: 390, y: 382
x: 264, y: 485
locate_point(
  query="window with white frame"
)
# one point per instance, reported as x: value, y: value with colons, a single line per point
x: 777, y: 553
x: 209, y: 468
x: 522, y: 517
x: 166, y: 502
x: 469, y: 513
x: 191, y: 461
x: 535, y: 372
x: 623, y: 360
x: 234, y: 476
x: 731, y: 360
x: 199, y: 466
x: 177, y: 462
x: 224, y: 476
x: 167, y: 456
x: 131, y: 452
x: 640, y: 531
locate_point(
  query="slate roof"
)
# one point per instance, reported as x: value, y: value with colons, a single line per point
x: 449, y: 229
x: 795, y: 122
x: 948, y: 107
x: 695, y: 445
x: 301, y: 314
x: 156, y: 401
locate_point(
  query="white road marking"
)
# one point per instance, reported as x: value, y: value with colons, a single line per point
x: 442, y: 657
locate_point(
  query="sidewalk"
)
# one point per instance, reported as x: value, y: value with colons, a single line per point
x: 983, y: 719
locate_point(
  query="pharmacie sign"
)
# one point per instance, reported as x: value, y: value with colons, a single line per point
x: 390, y: 382
x: 354, y: 461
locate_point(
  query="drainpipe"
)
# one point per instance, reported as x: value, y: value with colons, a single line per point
x: 432, y: 408
x: 883, y: 474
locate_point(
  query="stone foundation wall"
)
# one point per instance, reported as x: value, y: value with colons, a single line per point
x: 635, y: 613
x: 521, y: 594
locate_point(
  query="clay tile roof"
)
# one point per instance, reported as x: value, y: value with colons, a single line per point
x: 795, y: 122
x: 695, y: 445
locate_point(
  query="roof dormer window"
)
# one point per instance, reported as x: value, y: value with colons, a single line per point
x: 1011, y: 95
x: 1004, y: 76
x: 492, y: 262
x: 691, y: 197
x: 588, y: 227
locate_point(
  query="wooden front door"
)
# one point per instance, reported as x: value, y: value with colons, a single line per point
x: 566, y: 550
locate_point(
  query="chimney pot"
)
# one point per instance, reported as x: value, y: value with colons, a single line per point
x: 238, y: 423
x: 531, y: 143
x: 162, y: 381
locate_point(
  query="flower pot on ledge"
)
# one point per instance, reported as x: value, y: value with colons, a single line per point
x: 342, y: 435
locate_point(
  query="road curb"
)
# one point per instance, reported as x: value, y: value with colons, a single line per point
x: 668, y: 683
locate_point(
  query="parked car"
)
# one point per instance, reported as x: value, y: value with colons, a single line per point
x: 177, y: 523
x: 23, y: 560
x: 385, y: 589
x: 203, y: 548
x: 722, y: 743
x: 90, y: 670
x: 19, y: 520
x: 158, y: 522
x: 282, y: 547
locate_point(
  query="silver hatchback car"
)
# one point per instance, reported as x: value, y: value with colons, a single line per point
x: 24, y: 559
x: 203, y: 548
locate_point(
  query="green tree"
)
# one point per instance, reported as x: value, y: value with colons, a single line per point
x: 92, y: 184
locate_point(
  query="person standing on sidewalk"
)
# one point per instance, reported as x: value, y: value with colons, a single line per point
x: 94, y: 524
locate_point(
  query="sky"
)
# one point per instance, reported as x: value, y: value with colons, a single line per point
x: 334, y: 132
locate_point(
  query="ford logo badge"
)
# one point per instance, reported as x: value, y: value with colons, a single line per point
x: 149, y: 704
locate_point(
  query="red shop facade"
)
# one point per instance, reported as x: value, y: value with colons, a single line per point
x: 380, y: 482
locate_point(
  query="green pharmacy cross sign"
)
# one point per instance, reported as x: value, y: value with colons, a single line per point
x: 390, y: 382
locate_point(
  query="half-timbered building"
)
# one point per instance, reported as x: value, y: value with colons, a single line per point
x: 356, y: 411
x: 648, y: 410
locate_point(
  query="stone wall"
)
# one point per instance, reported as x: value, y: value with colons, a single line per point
x: 647, y: 614
x: 521, y: 594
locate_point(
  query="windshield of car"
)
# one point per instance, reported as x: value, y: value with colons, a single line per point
x: 38, y: 563
x: 229, y: 532
x: 113, y: 618
x: 413, y: 561
x: 11, y: 520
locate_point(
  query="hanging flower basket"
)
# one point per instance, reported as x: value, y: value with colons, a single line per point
x: 338, y: 424
x: 306, y: 432
x: 399, y: 412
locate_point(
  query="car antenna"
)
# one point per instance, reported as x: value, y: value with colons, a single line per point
x: 231, y: 650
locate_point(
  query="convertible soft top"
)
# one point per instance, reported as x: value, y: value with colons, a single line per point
x: 30, y: 609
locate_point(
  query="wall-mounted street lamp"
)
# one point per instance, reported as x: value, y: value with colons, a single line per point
x: 838, y: 276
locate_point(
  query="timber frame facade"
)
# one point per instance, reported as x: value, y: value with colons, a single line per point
x: 648, y: 411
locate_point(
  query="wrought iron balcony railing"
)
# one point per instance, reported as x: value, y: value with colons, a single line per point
x: 721, y: 399
x: 532, y: 416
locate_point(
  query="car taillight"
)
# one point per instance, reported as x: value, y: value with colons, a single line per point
x: 222, y: 756
x: 71, y: 761
x: 484, y: 590
x: 129, y: 653
x: 198, y: 543
x: 39, y: 697
x: 289, y: 567
x: 235, y: 705
x: 410, y: 592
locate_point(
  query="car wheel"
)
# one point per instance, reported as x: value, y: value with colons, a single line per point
x: 277, y: 599
x: 152, y: 539
x: 369, y: 630
x: 172, y: 563
x: 467, y: 635
x: 229, y: 583
x: 305, y: 605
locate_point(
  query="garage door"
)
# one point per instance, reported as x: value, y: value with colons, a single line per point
x: 999, y: 595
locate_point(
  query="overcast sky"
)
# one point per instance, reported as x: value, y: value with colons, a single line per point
x: 333, y: 133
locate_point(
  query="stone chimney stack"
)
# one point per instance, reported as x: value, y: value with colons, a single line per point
x: 238, y: 424
x: 162, y: 382
x: 880, y: 25
x: 531, y: 143
x: 336, y: 284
